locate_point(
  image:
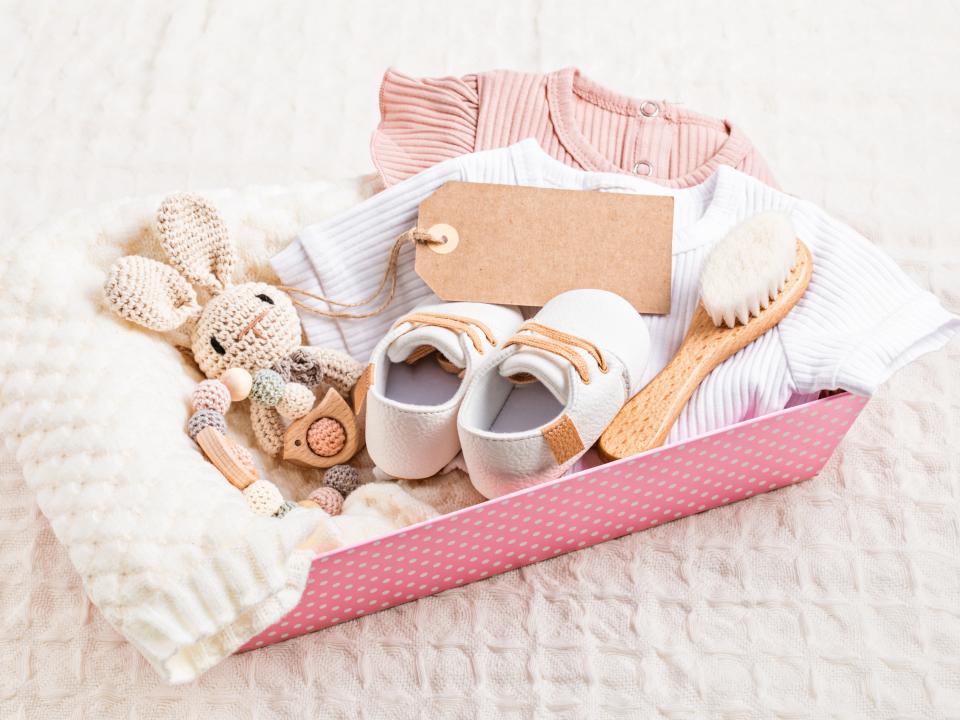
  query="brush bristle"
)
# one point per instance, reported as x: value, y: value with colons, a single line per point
x: 747, y: 268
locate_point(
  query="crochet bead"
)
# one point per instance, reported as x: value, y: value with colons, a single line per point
x: 238, y: 382
x: 326, y: 437
x: 263, y: 497
x: 267, y: 388
x: 329, y: 500
x: 296, y: 402
x: 211, y: 395
x: 302, y: 367
x: 206, y: 418
x: 245, y: 458
x: 342, y: 478
x: 287, y: 506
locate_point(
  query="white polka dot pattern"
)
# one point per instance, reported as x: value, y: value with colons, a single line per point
x: 568, y: 514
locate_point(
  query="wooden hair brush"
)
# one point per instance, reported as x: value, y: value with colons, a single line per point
x: 749, y: 282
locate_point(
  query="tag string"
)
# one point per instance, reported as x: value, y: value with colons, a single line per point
x: 413, y: 235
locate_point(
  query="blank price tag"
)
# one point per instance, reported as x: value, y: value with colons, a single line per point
x: 514, y: 245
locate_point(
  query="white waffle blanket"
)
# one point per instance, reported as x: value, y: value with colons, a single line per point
x: 95, y: 408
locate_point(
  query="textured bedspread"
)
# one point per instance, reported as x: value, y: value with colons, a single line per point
x: 836, y: 598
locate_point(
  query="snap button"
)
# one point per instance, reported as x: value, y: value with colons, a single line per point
x: 642, y: 167
x: 648, y: 108
x: 448, y: 237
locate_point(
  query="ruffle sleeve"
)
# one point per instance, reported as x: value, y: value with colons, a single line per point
x: 423, y: 121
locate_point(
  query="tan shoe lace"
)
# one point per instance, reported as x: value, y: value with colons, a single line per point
x: 559, y: 343
x: 454, y: 323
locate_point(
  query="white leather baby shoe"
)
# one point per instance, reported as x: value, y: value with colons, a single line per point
x: 418, y: 375
x: 547, y: 395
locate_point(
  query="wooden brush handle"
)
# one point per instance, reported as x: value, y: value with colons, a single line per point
x: 655, y: 409
x: 645, y: 421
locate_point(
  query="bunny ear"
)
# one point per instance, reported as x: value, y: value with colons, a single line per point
x: 196, y: 240
x: 149, y: 293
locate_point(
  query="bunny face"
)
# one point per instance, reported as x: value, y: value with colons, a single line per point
x: 252, y: 326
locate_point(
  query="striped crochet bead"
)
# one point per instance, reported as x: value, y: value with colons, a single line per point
x: 206, y: 418
x: 267, y: 388
x: 287, y: 506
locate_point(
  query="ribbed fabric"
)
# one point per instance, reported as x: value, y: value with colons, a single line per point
x: 425, y: 121
x: 860, y: 320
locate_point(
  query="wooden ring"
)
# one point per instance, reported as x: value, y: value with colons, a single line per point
x: 295, y: 447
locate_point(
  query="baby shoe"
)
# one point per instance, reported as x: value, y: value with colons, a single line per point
x: 418, y: 375
x: 551, y: 390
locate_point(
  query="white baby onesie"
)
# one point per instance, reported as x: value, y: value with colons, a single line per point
x: 860, y: 320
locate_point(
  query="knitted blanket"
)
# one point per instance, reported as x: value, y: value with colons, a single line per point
x: 95, y: 409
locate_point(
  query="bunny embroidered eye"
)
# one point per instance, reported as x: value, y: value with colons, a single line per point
x: 265, y: 298
x: 217, y: 347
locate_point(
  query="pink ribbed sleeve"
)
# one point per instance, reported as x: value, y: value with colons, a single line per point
x: 423, y: 122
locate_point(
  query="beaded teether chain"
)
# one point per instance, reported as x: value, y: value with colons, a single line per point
x: 325, y: 437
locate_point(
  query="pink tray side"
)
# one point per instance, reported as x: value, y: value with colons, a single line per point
x: 589, y: 507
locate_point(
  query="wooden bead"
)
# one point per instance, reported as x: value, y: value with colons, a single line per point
x: 238, y: 382
x: 227, y: 457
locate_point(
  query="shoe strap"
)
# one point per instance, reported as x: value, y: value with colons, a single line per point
x: 454, y: 323
x: 548, y: 339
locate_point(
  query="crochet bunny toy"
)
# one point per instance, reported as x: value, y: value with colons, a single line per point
x: 252, y: 325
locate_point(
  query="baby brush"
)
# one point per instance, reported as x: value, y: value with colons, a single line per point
x: 749, y: 282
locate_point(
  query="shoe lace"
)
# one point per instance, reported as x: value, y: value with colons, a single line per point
x: 559, y: 343
x: 454, y: 323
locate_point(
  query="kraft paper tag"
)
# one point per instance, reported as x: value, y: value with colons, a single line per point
x: 515, y: 245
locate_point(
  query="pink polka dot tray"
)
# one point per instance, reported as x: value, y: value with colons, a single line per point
x: 571, y: 513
